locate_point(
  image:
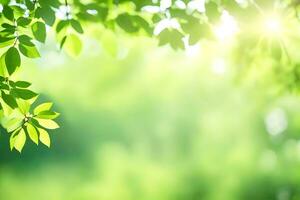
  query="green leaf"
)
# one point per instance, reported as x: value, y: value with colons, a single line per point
x: 73, y: 45
x: 22, y: 21
x: 25, y: 40
x: 6, y: 41
x: 47, y: 14
x: 48, y: 3
x: 62, y: 42
x: 23, y: 105
x: 47, y: 114
x: 44, y: 137
x: 42, y: 107
x: 172, y: 37
x: 61, y: 25
x: 12, y: 60
x: 76, y: 26
x: 20, y: 140
x: 4, y: 2
x: 8, y: 26
x: 9, y: 100
x: 3, y: 69
x: 48, y: 123
x: 32, y: 132
x: 13, y: 137
x: 126, y: 22
x: 13, y: 124
x: 8, y: 13
x: 24, y: 93
x: 22, y: 84
x: 29, y: 51
x: 39, y: 31
x: 29, y: 4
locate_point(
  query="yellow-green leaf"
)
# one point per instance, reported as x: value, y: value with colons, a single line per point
x: 42, y: 107
x: 48, y: 123
x: 73, y: 45
x: 12, y: 138
x: 20, y: 140
x: 31, y: 130
x: 44, y: 137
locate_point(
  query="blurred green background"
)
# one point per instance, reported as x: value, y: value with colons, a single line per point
x: 148, y: 123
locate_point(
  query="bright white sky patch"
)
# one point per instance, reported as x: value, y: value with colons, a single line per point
x: 276, y: 122
x: 198, y: 5
x: 166, y: 23
x: 227, y: 28
x: 92, y: 12
x: 180, y: 4
x: 62, y: 11
x: 151, y: 9
x: 165, y: 4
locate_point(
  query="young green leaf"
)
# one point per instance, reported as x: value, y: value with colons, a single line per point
x: 42, y: 107
x: 13, y: 137
x: 23, y: 105
x: 20, y: 140
x: 39, y: 31
x: 3, y: 69
x: 13, y: 124
x: 47, y: 114
x: 73, y: 45
x: 44, y: 137
x: 48, y: 123
x: 32, y: 132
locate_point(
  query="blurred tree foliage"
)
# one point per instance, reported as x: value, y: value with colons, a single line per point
x: 178, y: 23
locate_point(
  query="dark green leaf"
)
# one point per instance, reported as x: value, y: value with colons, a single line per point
x: 24, y: 93
x: 22, y: 21
x: 76, y: 26
x: 47, y: 14
x: 22, y: 84
x: 63, y: 42
x: 25, y: 40
x: 8, y: 13
x: 9, y: 100
x: 62, y: 24
x: 12, y: 60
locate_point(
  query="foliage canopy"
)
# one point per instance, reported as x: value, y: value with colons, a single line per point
x: 178, y: 23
